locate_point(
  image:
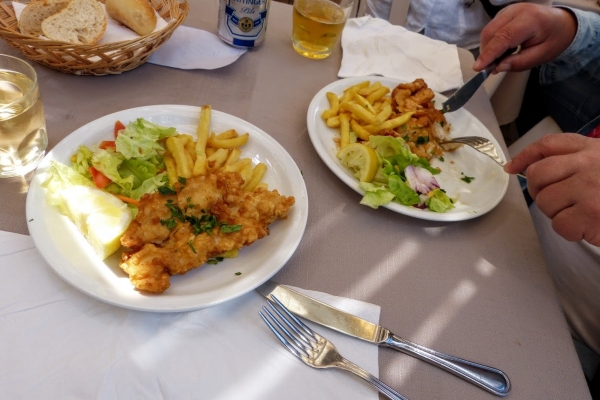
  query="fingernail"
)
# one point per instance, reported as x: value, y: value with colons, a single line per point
x: 507, y: 166
x: 477, y: 65
x: 503, y: 67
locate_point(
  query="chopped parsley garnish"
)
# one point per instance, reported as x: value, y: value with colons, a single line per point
x: 191, y: 244
x: 441, y: 158
x: 422, y: 139
x: 175, y: 211
x: 182, y: 180
x: 31, y: 220
x: 466, y: 178
x: 202, y: 224
x: 215, y: 260
x: 169, y: 223
x: 205, y: 224
x: 238, y: 273
x: 165, y: 190
x: 230, y: 228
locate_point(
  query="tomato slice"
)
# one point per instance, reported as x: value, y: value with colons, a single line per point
x: 118, y: 127
x: 100, y: 179
x: 108, y: 144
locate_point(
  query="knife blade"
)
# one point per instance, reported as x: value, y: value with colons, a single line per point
x: 488, y: 378
x: 590, y: 126
x: 466, y: 91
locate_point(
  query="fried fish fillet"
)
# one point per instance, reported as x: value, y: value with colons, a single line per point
x: 202, y: 218
x: 427, y: 126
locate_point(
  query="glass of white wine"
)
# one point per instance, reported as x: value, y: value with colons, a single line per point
x: 23, y: 137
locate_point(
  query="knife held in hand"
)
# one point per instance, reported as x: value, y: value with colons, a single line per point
x: 490, y: 379
x: 466, y: 91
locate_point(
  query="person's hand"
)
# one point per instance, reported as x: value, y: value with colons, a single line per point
x: 563, y: 177
x: 543, y: 33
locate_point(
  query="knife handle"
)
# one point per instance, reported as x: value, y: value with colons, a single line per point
x: 490, y: 379
x: 490, y: 68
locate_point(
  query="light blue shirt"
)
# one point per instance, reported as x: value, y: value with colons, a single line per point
x: 583, y: 55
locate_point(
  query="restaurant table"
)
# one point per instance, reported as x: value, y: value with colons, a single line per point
x: 476, y: 289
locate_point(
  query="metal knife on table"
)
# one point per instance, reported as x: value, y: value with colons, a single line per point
x: 490, y: 379
x: 466, y: 91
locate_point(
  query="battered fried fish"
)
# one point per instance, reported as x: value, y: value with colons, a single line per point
x: 203, y: 217
x: 427, y: 125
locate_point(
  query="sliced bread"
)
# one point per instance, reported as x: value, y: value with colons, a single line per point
x: 137, y: 15
x: 30, y: 21
x: 80, y: 22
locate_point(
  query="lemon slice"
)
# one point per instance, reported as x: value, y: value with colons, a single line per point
x: 360, y: 158
x: 100, y: 217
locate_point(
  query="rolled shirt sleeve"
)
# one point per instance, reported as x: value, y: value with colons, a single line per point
x: 583, y: 55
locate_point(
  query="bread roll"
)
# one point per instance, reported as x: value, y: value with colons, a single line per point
x: 80, y: 22
x: 138, y: 15
x: 30, y: 21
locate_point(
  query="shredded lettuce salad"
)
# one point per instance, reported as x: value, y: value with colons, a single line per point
x: 131, y: 166
x: 404, y: 178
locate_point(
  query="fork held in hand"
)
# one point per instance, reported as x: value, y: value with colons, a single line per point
x: 482, y: 145
x: 314, y: 349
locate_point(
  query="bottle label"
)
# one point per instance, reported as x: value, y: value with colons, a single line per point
x: 245, y: 22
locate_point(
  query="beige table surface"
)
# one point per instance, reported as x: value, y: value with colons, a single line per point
x: 476, y: 289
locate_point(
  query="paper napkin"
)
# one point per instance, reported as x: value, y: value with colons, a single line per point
x: 373, y: 46
x: 187, y: 48
x: 190, y: 48
x: 57, y: 342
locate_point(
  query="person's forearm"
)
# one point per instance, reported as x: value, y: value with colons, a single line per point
x: 582, y: 53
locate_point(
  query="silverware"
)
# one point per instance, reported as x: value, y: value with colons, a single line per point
x: 313, y: 349
x: 587, y: 128
x: 491, y: 379
x: 466, y: 91
x: 482, y: 145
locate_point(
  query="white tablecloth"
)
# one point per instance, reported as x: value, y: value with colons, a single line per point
x: 58, y: 343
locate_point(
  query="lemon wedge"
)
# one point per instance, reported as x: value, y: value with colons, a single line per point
x: 360, y: 158
x: 100, y: 217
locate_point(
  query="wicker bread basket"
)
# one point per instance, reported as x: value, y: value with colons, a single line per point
x: 103, y: 59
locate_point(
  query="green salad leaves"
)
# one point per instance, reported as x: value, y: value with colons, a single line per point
x: 131, y: 165
x: 404, y: 178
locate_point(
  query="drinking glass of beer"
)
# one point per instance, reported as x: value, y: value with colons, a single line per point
x: 318, y: 25
x: 23, y: 137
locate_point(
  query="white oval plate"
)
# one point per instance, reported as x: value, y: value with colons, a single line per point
x: 474, y: 199
x: 70, y: 255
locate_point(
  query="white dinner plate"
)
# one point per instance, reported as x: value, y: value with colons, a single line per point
x: 474, y: 199
x: 70, y: 255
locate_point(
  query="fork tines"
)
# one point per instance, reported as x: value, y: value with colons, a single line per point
x: 302, y: 337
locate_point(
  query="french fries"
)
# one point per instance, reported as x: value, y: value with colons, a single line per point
x: 363, y: 109
x: 200, y: 167
x: 211, y: 152
x: 406, y: 111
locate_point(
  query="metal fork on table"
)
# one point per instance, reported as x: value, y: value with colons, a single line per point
x: 314, y: 349
x: 480, y: 144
